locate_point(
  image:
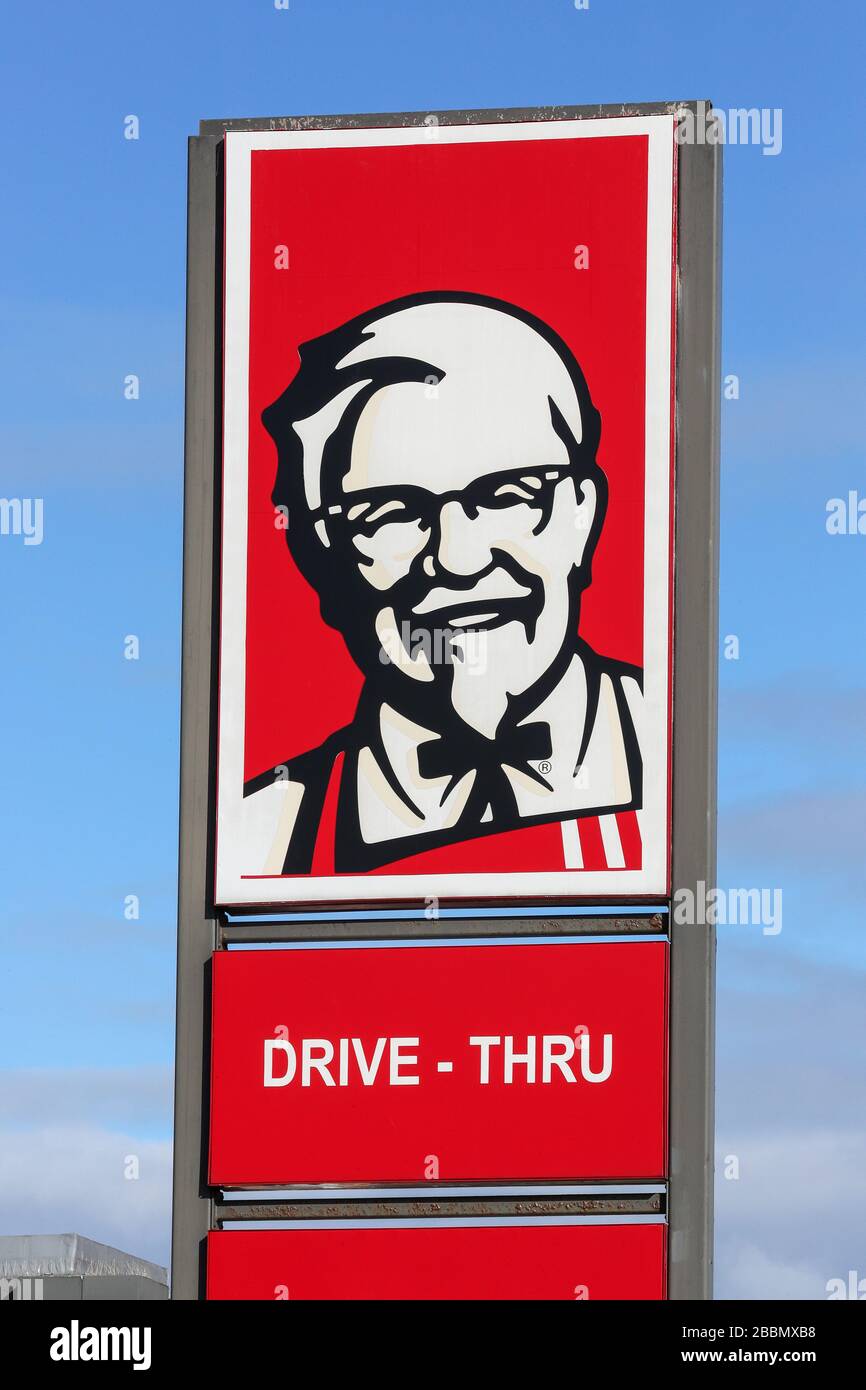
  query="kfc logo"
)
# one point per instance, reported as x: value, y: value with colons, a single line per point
x: 445, y: 670
x: 472, y: 511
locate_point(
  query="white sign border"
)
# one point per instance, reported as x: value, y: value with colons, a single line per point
x: 232, y: 888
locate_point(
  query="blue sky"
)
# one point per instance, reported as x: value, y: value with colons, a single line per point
x: 93, y: 240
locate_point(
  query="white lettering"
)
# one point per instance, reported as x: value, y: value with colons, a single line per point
x: 397, y: 1045
x: 607, y: 1059
x: 519, y: 1059
x: 557, y: 1052
x: 368, y: 1073
x: 271, y: 1045
x: 77, y: 1343
x: 311, y: 1063
x: 485, y: 1044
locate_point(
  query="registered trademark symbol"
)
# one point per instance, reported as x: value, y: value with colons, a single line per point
x: 544, y: 767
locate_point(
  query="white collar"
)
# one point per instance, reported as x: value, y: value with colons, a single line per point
x: 602, y: 780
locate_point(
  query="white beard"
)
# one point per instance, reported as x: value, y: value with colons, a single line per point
x: 491, y: 667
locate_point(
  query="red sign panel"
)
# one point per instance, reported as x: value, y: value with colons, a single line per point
x: 453, y: 1063
x: 521, y: 1261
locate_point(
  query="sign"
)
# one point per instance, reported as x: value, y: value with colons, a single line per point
x: 445, y: 635
x: 452, y: 410
x: 517, y: 1261
x: 470, y: 1063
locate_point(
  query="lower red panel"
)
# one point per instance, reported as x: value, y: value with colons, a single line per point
x: 519, y: 1262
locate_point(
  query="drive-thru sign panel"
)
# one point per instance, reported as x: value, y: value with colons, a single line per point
x: 478, y: 1062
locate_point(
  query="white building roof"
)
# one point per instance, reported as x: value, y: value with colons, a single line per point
x: 70, y: 1254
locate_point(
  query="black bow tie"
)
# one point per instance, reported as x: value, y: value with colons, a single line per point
x: 487, y: 757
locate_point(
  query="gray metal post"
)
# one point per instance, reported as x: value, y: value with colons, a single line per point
x: 196, y: 922
x: 692, y: 1011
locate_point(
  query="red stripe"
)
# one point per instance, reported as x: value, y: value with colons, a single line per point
x: 591, y: 843
x: 629, y: 834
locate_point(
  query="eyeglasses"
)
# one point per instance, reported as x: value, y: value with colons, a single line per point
x: 365, y: 513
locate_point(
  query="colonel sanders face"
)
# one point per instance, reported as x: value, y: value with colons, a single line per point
x: 449, y: 501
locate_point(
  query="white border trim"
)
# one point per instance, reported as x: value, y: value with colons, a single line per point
x: 443, y: 1223
x: 652, y: 879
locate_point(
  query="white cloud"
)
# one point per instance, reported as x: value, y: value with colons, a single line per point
x: 744, y: 1270
x: 136, y: 1098
x: 72, y: 1178
x: 795, y: 1217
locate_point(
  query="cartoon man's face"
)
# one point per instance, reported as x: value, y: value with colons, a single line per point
x: 461, y: 514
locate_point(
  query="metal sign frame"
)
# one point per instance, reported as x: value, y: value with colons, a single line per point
x: 688, y: 1201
